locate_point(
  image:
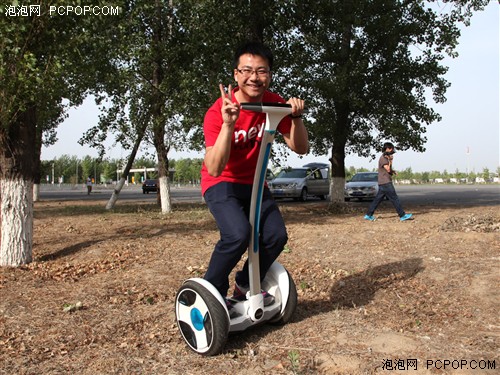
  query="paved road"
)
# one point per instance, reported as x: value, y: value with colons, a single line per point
x: 467, y: 195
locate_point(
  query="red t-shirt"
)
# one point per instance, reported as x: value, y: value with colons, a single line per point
x: 245, y: 144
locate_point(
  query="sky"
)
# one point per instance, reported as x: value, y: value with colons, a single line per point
x: 466, y: 139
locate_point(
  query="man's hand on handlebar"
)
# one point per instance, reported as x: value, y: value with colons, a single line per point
x: 297, y: 106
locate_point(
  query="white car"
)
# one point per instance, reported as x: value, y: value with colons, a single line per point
x: 363, y: 185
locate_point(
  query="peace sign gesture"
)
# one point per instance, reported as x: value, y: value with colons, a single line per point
x: 230, y: 111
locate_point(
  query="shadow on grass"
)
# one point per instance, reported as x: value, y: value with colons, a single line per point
x: 66, y: 251
x: 349, y: 292
x: 359, y: 289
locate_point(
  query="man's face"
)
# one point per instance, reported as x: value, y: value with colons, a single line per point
x: 253, y: 77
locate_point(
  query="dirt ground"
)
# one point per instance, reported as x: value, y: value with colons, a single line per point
x: 374, y: 297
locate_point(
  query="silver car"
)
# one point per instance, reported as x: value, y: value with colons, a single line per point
x: 299, y: 183
x: 363, y: 185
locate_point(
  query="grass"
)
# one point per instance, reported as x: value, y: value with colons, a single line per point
x: 294, y: 358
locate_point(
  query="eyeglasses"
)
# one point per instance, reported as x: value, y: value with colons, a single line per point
x: 247, y: 72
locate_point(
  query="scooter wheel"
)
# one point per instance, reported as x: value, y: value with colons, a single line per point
x: 291, y: 304
x: 202, y: 320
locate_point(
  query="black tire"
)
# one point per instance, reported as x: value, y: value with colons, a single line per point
x: 202, y: 320
x: 291, y: 305
x: 347, y: 199
x: 303, y: 195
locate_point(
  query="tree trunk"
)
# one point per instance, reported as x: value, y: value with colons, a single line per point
x: 36, y: 192
x: 337, y: 183
x: 338, y: 152
x: 116, y: 192
x: 37, y: 177
x: 158, y: 113
x: 130, y: 162
x: 17, y: 159
x: 165, y: 195
x: 342, y: 122
x: 256, y: 22
x: 162, y: 152
x: 17, y: 222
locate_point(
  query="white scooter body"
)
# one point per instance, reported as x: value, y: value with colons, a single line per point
x: 252, y: 311
x: 193, y: 305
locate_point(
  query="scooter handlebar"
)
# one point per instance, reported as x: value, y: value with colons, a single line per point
x: 262, y: 107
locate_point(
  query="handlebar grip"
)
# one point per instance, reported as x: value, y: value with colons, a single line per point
x: 259, y: 107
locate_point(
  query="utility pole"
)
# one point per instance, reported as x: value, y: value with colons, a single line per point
x: 467, y: 153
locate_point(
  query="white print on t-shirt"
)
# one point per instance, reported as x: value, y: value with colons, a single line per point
x: 253, y: 132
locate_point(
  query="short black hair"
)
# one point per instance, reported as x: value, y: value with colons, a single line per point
x: 253, y: 48
x: 386, y: 146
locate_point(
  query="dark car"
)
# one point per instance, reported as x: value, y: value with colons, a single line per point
x: 149, y: 185
x: 363, y: 185
x: 269, y: 175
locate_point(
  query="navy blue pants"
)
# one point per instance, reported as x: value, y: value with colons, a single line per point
x: 386, y: 190
x: 229, y: 203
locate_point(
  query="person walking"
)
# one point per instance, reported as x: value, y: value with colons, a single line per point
x: 233, y: 139
x: 385, y: 185
x: 89, y: 185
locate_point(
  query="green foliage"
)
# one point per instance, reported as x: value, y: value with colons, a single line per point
x: 294, y: 358
x: 47, y: 63
x: 364, y: 68
x: 143, y: 93
x: 69, y: 169
x: 486, y: 173
x: 187, y: 171
x: 406, y: 174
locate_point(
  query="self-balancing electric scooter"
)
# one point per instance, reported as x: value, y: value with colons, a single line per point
x: 201, y: 312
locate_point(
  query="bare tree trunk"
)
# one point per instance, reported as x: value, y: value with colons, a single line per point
x: 165, y: 198
x: 37, y: 164
x: 342, y: 118
x: 130, y: 162
x: 337, y: 182
x: 17, y: 142
x: 17, y: 222
x: 162, y: 151
x: 116, y: 193
x: 158, y: 111
x: 36, y: 192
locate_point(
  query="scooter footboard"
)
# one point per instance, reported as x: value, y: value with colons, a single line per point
x: 277, y: 284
